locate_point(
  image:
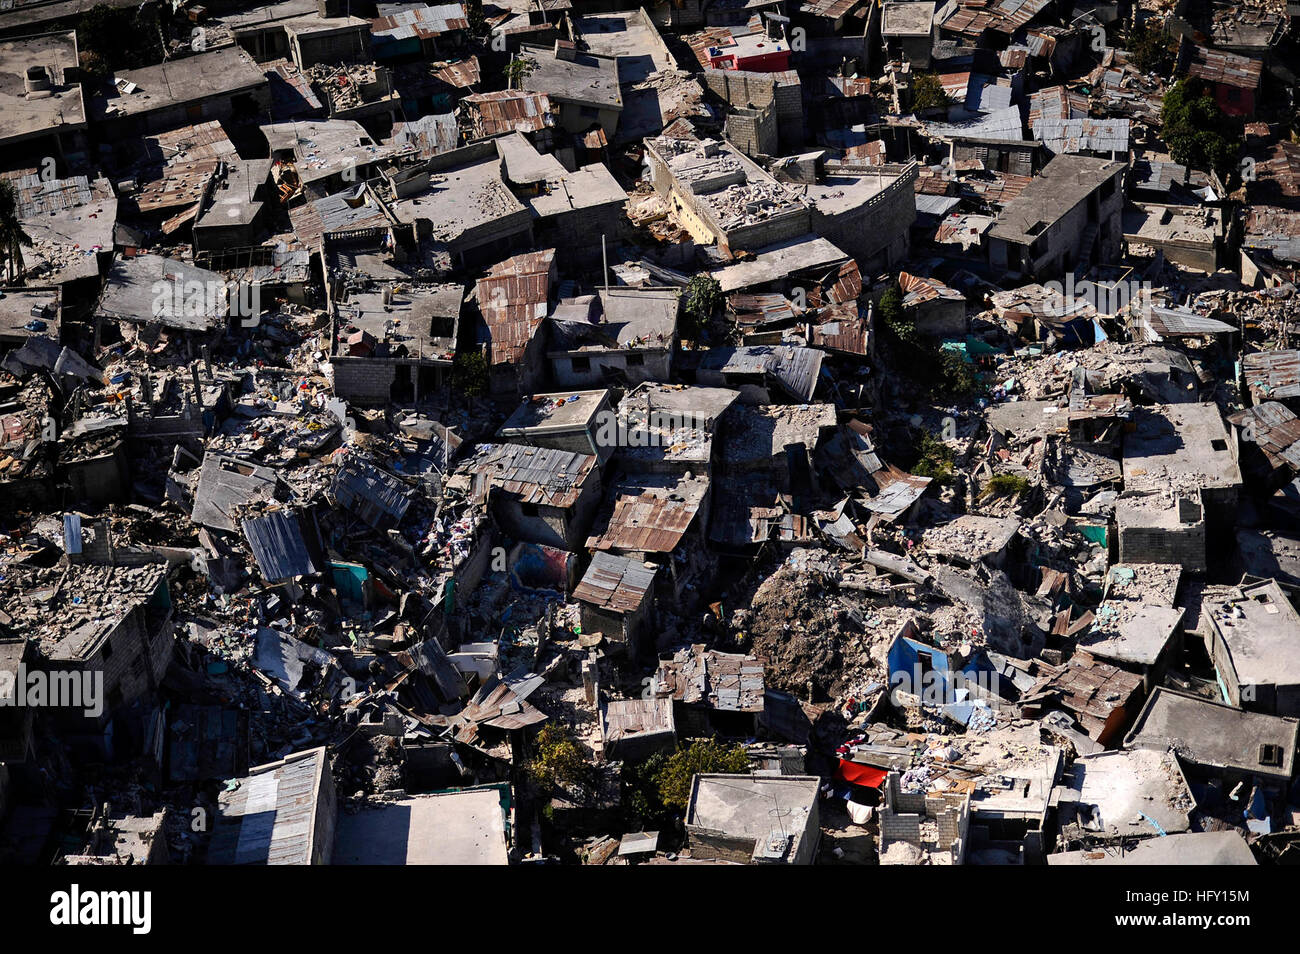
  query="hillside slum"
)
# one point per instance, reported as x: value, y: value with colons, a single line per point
x: 534, y: 431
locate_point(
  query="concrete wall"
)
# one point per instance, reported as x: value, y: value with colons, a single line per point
x: 655, y: 366
x: 875, y: 233
x: 753, y: 131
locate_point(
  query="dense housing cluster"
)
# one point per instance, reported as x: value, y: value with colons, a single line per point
x: 730, y: 431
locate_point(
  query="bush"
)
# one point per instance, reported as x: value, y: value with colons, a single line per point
x: 469, y: 373
x: 1151, y: 49
x: 1006, y: 485
x: 928, y: 93
x: 673, y: 780
x: 558, y: 760
x: 936, y: 459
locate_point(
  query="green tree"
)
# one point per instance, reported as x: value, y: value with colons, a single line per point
x: 117, y: 39
x: 12, y: 237
x: 928, y: 93
x: 558, y: 760
x: 469, y: 373
x: 518, y: 70
x: 1198, y: 133
x: 1150, y: 48
x: 673, y: 780
x: 702, y: 300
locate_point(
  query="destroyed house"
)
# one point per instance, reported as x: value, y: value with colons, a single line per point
x: 1120, y: 795
x: 582, y: 86
x: 672, y: 428
x: 722, y: 196
x: 514, y: 299
x: 1217, y: 740
x: 935, y: 826
x: 537, y: 494
x: 616, y: 597
x: 713, y: 693
x: 70, y: 222
x: 754, y: 819
x: 1255, y: 647
x: 281, y: 813
x: 395, y: 342
x: 113, y: 621
x: 582, y: 422
x: 1068, y: 217
x: 1102, y: 697
x: 619, y: 335
x: 222, y: 84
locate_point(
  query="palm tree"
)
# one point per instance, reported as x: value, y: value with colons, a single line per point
x: 518, y: 71
x: 12, y: 236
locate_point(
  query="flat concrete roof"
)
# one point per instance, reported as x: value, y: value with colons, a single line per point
x: 561, y: 411
x: 907, y: 19
x: 218, y: 73
x: 1138, y: 794
x: 761, y: 807
x: 1213, y: 734
x: 1064, y: 183
x: 24, y: 116
x: 624, y: 35
x: 16, y: 306
x: 1192, y: 848
x: 1177, y: 447
x: 463, y: 198
x: 451, y: 828
x: 1261, y: 631
x: 586, y: 79
x: 1132, y: 633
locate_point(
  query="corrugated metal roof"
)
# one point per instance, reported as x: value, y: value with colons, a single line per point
x: 1272, y: 374
x: 1083, y: 135
x: 282, y: 545
x: 536, y: 475
x: 509, y: 111
x: 513, y: 299
x: 615, y: 583
x: 649, y: 519
x: 371, y: 494
x: 422, y: 22
x: 270, y: 817
x: 726, y: 681
x: 1219, y: 66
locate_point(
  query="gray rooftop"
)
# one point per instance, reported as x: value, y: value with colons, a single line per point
x: 586, y: 79
x: 1064, y: 183
x: 450, y: 828
x: 58, y: 106
x: 1214, y: 735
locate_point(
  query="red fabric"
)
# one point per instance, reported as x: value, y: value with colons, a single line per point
x: 858, y: 774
